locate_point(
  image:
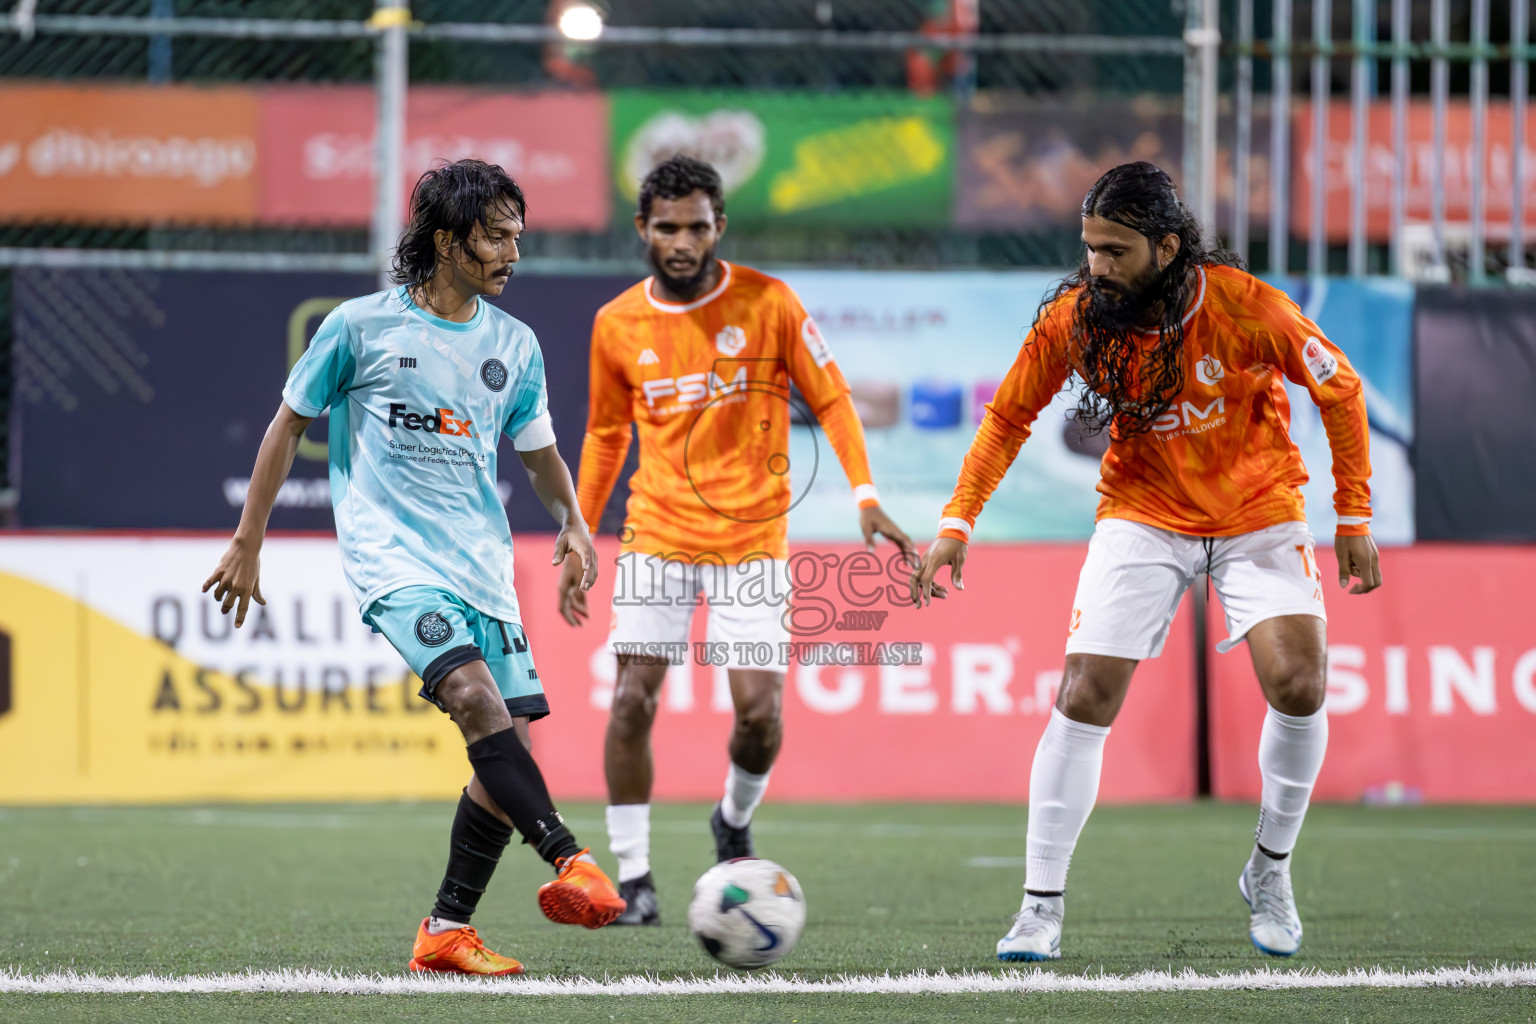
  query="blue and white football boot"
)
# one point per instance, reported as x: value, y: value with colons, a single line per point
x: 1273, y: 924
x: 1036, y: 931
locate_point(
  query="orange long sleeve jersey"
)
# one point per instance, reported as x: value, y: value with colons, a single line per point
x: 1220, y: 461
x: 708, y: 384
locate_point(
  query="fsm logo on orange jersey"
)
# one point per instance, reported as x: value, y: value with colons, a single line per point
x: 692, y: 387
x: 438, y: 421
x: 1191, y: 417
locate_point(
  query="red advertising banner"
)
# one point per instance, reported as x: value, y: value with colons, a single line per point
x: 962, y: 725
x: 1431, y: 683
x: 317, y: 150
x: 1381, y: 168
x: 127, y: 154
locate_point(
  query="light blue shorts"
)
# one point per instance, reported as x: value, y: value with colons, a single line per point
x: 436, y: 632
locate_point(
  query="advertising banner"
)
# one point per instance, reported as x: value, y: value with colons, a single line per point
x: 1431, y: 683
x: 143, y: 396
x: 1381, y: 168
x: 125, y: 684
x: 832, y: 159
x: 925, y: 351
x: 317, y: 149
x: 1025, y: 162
x: 1475, y: 355
x: 128, y: 154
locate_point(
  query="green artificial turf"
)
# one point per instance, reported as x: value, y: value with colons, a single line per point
x: 890, y: 888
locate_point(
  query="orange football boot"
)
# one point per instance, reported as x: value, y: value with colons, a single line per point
x: 458, y: 951
x: 581, y: 895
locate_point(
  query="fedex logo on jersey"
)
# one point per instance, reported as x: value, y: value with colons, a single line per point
x: 438, y: 421
x: 692, y: 388
x: 1189, y: 418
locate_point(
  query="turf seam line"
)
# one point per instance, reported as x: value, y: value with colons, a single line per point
x: 939, y: 982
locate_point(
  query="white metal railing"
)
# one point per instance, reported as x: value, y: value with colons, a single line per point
x: 1364, y: 48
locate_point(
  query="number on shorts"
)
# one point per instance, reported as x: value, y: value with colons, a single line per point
x: 1308, y: 562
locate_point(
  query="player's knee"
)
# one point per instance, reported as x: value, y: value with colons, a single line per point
x: 633, y: 708
x: 1299, y: 690
x: 472, y: 705
x: 1085, y: 697
x: 761, y: 717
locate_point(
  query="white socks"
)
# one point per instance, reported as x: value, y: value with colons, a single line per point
x: 743, y: 792
x: 438, y: 925
x: 629, y: 837
x: 1291, y: 749
x: 1063, y: 784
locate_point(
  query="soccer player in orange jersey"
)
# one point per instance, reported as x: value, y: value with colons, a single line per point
x: 1182, y: 357
x: 701, y: 356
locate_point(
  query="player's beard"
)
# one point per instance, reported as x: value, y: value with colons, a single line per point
x: 689, y: 285
x: 1121, y: 309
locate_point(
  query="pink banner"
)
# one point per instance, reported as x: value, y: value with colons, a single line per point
x: 317, y: 150
x: 1382, y: 170
x: 1431, y: 683
x: 962, y: 725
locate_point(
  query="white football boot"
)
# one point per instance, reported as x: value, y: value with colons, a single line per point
x: 1273, y: 923
x: 1036, y: 931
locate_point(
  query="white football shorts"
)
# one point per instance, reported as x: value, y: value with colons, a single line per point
x: 1136, y: 574
x: 654, y: 602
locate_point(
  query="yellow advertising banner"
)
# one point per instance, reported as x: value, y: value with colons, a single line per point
x: 121, y: 682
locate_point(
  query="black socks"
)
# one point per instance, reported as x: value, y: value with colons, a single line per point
x: 475, y: 845
x: 513, y: 780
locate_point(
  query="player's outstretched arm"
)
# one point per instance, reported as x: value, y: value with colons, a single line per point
x: 237, y: 578
x: 925, y: 585
x: 1358, y: 558
x: 551, y: 480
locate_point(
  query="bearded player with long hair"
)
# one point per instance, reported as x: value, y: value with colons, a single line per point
x: 1183, y: 357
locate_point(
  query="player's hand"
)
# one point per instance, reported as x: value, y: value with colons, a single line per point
x: 572, y: 595
x: 944, y: 551
x: 1358, y: 557
x: 574, y: 539
x: 237, y: 579
x: 873, y: 520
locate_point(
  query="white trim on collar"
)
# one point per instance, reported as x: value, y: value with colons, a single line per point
x: 688, y: 307
x: 1199, y: 301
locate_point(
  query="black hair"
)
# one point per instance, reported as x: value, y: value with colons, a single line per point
x: 1121, y: 386
x: 678, y: 176
x: 454, y: 198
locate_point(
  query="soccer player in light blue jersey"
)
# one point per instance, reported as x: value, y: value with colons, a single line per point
x: 421, y: 380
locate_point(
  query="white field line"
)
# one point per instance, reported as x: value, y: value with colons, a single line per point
x: 1020, y: 981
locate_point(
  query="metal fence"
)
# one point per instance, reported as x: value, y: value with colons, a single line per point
x: 1246, y: 71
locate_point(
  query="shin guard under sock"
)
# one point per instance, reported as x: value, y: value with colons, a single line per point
x: 512, y: 778
x: 475, y: 846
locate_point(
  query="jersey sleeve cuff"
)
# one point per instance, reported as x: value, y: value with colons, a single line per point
x: 866, y: 495
x: 539, y: 433
x: 955, y: 528
x: 1353, y: 526
x: 300, y: 406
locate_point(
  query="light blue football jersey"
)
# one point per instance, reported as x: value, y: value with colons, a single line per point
x: 417, y: 404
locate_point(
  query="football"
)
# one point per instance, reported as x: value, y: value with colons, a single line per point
x: 747, y: 912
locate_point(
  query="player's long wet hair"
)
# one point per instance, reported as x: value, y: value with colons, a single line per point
x: 453, y: 198
x: 1122, y: 386
x: 679, y: 176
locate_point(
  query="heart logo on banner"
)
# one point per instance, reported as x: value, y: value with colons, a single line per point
x: 733, y: 141
x: 10, y: 153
